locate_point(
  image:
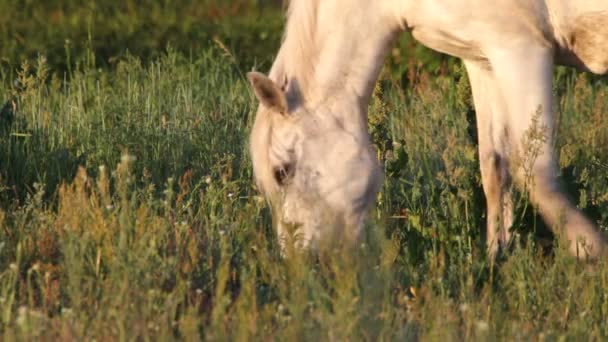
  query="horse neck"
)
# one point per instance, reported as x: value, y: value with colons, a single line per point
x: 336, y: 60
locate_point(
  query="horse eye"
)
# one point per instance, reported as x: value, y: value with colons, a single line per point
x: 283, y: 173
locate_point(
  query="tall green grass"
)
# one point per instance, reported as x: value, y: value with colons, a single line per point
x: 67, y: 30
x: 127, y: 212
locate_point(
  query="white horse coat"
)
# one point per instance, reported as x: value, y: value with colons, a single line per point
x: 310, y: 147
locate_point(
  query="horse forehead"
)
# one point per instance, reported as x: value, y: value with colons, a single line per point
x: 285, y: 134
x: 297, y: 124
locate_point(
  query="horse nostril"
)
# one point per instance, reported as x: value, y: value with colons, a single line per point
x: 283, y: 173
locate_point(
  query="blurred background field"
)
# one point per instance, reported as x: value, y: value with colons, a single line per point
x: 127, y: 210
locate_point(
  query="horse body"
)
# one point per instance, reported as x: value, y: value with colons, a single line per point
x: 310, y: 147
x: 575, y: 30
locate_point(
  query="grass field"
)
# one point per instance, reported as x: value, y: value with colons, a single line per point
x: 128, y: 211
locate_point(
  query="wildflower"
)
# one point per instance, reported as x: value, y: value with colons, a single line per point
x: 21, y: 315
x: 482, y: 326
x: 128, y: 158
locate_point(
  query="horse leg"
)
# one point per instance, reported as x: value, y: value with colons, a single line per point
x: 524, y: 71
x: 490, y: 109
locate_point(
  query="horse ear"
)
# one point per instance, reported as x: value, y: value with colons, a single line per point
x: 269, y: 94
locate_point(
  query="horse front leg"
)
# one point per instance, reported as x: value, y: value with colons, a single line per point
x: 523, y: 71
x: 490, y: 110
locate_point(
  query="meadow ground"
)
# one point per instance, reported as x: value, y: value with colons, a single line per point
x: 127, y: 210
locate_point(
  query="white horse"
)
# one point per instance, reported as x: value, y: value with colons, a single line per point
x: 310, y: 147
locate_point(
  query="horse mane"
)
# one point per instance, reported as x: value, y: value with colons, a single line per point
x: 300, y: 46
x: 295, y: 63
x: 311, y: 64
x: 310, y: 60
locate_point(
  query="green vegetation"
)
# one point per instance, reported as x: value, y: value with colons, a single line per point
x: 127, y: 210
